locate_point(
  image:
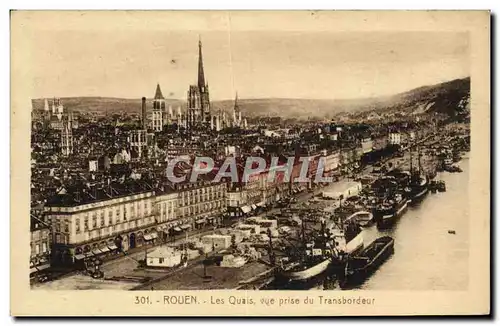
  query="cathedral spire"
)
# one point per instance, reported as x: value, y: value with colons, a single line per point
x: 236, y: 107
x: 201, y: 73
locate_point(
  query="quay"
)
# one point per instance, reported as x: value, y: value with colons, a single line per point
x: 124, y: 272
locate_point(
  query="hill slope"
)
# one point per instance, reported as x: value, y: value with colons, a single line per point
x: 445, y: 98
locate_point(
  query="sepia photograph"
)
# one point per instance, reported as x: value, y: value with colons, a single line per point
x: 265, y: 161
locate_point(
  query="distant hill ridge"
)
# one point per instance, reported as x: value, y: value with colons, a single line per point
x: 443, y: 98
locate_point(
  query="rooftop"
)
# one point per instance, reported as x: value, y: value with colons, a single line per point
x: 80, y: 194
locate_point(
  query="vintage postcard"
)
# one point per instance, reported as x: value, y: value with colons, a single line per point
x: 250, y: 163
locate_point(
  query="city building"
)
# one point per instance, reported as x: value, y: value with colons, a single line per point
x: 138, y: 142
x: 200, y: 203
x: 40, y: 240
x: 166, y: 202
x: 395, y: 138
x: 100, y: 220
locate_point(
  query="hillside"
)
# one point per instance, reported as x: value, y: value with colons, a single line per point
x: 445, y: 98
x: 107, y: 105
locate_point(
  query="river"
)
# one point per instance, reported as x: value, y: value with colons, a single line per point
x: 426, y: 256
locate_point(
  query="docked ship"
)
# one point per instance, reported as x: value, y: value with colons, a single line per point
x: 347, y: 238
x: 419, y: 188
x: 313, y: 259
x: 310, y: 267
x: 331, y: 249
x: 390, y: 210
x: 419, y: 183
x: 363, y: 218
x: 359, y: 267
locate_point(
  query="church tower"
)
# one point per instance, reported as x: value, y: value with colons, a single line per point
x: 198, y: 97
x: 158, y: 109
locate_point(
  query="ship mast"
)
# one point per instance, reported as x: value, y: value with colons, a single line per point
x: 411, y: 157
x: 272, y: 257
x: 304, y: 243
x: 419, y: 163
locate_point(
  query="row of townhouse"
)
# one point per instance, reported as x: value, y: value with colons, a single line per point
x: 104, y: 226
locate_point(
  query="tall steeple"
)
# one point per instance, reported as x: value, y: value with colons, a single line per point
x: 201, y: 73
x: 158, y: 94
x: 236, y: 107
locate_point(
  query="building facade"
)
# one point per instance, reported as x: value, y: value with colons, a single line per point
x: 166, y: 203
x: 100, y: 228
x: 395, y: 138
x: 40, y: 240
x: 138, y: 142
x: 200, y: 203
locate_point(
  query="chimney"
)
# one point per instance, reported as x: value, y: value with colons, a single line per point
x: 143, y: 108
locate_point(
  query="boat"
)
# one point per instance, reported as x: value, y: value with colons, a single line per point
x: 419, y: 182
x: 453, y: 168
x: 390, y: 210
x: 419, y: 187
x: 433, y: 185
x: 441, y: 186
x: 314, y: 258
x: 368, y: 260
x: 363, y: 218
x: 311, y: 267
x: 347, y: 239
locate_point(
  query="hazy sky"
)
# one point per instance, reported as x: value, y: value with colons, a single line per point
x: 257, y: 64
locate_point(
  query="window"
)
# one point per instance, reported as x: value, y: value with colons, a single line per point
x: 37, y: 249
x: 117, y: 215
x: 44, y: 247
x: 110, y: 217
x: 94, y: 220
x: 103, y: 222
x: 161, y: 260
x: 66, y: 227
x: 125, y: 213
x: 86, y: 223
x: 77, y: 225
